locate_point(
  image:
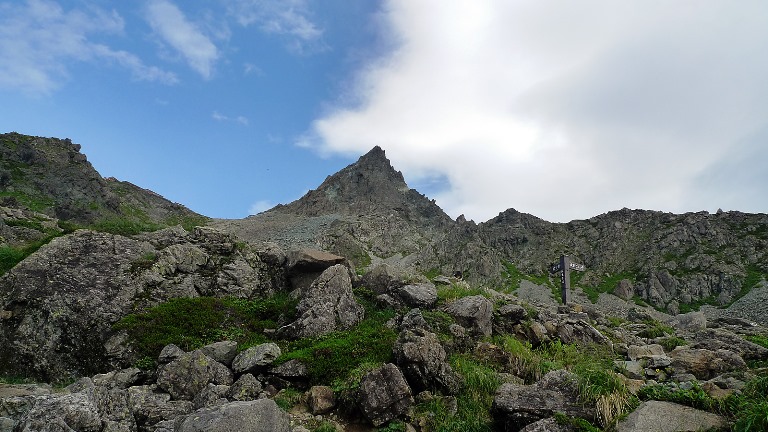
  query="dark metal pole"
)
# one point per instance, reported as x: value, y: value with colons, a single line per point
x: 565, y: 279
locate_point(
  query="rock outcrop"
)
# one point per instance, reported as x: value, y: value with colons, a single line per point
x: 327, y: 305
x: 60, y: 304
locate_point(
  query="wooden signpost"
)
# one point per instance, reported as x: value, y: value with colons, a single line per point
x: 564, y: 267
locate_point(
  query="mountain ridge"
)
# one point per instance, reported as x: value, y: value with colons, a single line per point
x: 367, y: 213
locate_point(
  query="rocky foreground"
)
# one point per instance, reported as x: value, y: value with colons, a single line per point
x: 221, y: 386
x: 122, y: 311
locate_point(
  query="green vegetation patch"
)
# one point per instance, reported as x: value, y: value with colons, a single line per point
x: 124, y: 226
x: 334, y: 356
x: 191, y: 323
x: 10, y: 255
x: 474, y: 400
x: 607, y: 285
x: 656, y: 329
x: 758, y: 339
x: 448, y: 293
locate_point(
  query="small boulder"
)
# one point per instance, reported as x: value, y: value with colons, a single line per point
x: 422, y: 359
x: 624, y: 290
x: 516, y: 406
x: 189, y: 374
x: 660, y: 416
x: 473, y: 312
x: 705, y: 364
x: 247, y: 387
x: 636, y: 352
x: 169, y: 353
x: 320, y: 399
x: 384, y: 395
x: 292, y: 370
x: 261, y: 415
x: 256, y: 358
x: 223, y: 352
x: 422, y: 295
x: 328, y: 305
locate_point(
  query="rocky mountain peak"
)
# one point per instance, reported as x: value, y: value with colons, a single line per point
x: 370, y: 186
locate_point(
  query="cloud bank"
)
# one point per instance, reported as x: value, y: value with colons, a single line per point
x: 566, y: 109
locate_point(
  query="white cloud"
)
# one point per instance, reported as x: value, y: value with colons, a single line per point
x: 169, y: 22
x: 222, y: 118
x: 288, y: 18
x: 260, y: 206
x: 39, y: 40
x: 561, y: 109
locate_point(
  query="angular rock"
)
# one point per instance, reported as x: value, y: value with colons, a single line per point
x: 120, y: 379
x: 547, y: 425
x: 636, y: 352
x: 256, y: 358
x: 320, y: 399
x: 413, y: 320
x: 580, y: 332
x: 328, y: 305
x: 223, y: 352
x: 384, y: 395
x: 660, y: 416
x: 422, y: 295
x: 305, y: 265
x: 261, y: 415
x: 291, y: 370
x: 624, y: 289
x: 67, y: 412
x: 516, y: 406
x: 211, y: 395
x: 247, y: 387
x: 714, y: 339
x: 705, y: 364
x: 169, y: 353
x: 473, y: 312
x: 150, y: 407
x: 691, y: 321
x: 422, y: 360
x: 384, y: 278
x: 186, y: 376
x: 508, y: 315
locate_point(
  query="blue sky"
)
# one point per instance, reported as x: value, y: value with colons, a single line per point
x: 560, y: 109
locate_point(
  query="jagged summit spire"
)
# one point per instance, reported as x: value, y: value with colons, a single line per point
x: 369, y: 186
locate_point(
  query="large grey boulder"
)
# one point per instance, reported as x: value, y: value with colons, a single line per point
x: 423, y: 295
x: 55, y: 413
x: 473, y: 312
x: 384, y: 395
x: 660, y: 416
x: 705, y: 364
x: 715, y: 339
x: 186, y: 376
x: 422, y: 359
x: 58, y: 306
x: 305, y: 265
x: 261, y: 415
x: 63, y: 301
x: 516, y: 406
x: 247, y: 387
x: 328, y: 305
x: 150, y: 406
x: 256, y: 358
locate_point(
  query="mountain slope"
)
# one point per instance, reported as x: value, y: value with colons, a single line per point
x: 51, y: 176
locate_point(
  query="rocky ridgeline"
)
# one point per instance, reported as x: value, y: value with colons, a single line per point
x: 218, y: 388
x: 51, y: 176
x: 367, y: 213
